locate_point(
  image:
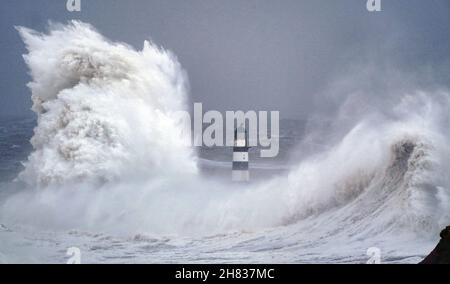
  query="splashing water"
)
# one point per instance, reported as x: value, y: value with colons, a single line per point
x: 104, y: 109
x: 108, y: 158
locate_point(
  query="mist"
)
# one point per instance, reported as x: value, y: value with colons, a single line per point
x: 108, y: 160
x: 259, y: 55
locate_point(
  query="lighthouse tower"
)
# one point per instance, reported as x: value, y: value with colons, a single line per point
x: 240, y: 155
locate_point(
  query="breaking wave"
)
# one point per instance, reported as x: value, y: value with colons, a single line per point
x: 108, y: 157
x: 104, y: 109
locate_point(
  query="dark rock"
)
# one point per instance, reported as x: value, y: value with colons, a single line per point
x: 441, y: 254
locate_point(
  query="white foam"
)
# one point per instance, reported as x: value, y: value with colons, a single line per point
x: 107, y: 157
x: 104, y: 109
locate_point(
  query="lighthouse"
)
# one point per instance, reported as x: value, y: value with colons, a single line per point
x: 240, y: 155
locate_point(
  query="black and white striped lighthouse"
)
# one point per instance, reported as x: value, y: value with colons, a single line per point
x: 240, y: 155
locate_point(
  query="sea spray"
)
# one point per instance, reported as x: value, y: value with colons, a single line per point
x: 104, y: 109
x: 106, y: 157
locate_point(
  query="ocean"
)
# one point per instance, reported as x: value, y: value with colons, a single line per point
x: 102, y: 171
x: 315, y: 239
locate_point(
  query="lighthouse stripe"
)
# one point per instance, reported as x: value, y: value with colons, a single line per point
x: 240, y: 157
x: 240, y: 165
x: 240, y: 172
x: 240, y: 149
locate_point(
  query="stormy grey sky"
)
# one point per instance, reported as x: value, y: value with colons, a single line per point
x: 255, y: 54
